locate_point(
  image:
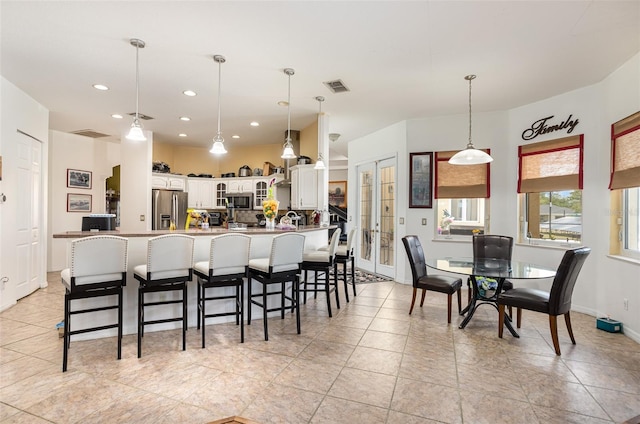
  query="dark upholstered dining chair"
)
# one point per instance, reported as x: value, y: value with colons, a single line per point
x: 491, y: 246
x: 421, y: 280
x: 555, y: 302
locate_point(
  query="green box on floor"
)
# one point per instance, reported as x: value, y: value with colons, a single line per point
x: 607, y: 324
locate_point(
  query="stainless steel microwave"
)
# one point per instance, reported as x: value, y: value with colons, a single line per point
x: 240, y: 200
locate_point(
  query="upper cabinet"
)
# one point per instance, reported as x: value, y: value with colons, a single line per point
x: 201, y: 193
x: 240, y: 185
x: 169, y: 182
x: 304, y: 187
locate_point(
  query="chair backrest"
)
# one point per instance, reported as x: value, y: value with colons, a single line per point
x: 333, y: 243
x: 350, y: 240
x: 98, y: 258
x: 286, y: 252
x: 416, y: 257
x: 490, y: 246
x: 229, y: 254
x: 565, y: 280
x: 169, y: 256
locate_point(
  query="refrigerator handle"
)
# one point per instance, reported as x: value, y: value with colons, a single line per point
x: 155, y: 220
x: 174, y: 208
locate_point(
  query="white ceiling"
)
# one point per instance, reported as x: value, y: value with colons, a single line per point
x: 400, y: 59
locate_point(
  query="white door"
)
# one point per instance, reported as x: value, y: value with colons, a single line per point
x: 26, y: 233
x: 376, y: 251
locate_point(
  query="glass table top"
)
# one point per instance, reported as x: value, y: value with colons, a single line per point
x: 493, y: 268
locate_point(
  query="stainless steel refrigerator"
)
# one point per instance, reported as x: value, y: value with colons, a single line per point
x: 167, y: 207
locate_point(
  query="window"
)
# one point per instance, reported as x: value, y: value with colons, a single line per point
x: 624, y: 185
x: 550, y: 187
x: 461, y: 194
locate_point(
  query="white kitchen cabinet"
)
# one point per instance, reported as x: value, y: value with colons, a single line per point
x: 261, y: 191
x: 219, y: 194
x: 304, y: 187
x: 201, y: 193
x: 240, y: 185
x: 169, y: 182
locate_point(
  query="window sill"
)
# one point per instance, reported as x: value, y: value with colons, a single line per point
x: 546, y: 245
x: 625, y: 259
x: 452, y: 239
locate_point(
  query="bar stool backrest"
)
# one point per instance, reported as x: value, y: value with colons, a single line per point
x: 169, y: 256
x: 229, y: 254
x: 98, y: 259
x: 333, y: 243
x: 350, y: 240
x: 286, y: 252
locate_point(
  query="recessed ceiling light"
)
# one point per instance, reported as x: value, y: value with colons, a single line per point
x: 189, y: 93
x: 100, y: 87
x: 255, y: 124
x: 283, y: 103
x: 116, y: 116
x: 185, y: 118
x: 235, y: 136
x: 182, y: 135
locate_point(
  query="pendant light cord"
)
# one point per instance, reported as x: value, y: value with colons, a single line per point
x: 219, y: 78
x: 470, y: 144
x: 137, y: 80
x: 289, y: 109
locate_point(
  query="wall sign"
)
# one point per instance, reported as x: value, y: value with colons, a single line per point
x: 541, y: 127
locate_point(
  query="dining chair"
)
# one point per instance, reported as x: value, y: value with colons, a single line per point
x: 555, y: 302
x: 98, y: 268
x: 226, y: 267
x: 169, y: 268
x: 421, y: 280
x: 280, y: 267
x: 491, y: 246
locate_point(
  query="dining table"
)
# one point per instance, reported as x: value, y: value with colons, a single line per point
x: 496, y: 269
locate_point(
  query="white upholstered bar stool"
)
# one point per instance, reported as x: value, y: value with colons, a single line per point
x: 169, y: 268
x: 321, y: 262
x: 282, y: 266
x: 344, y: 256
x: 226, y: 267
x: 98, y: 267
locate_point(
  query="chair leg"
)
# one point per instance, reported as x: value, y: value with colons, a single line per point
x: 518, y: 317
x: 201, y: 308
x: 199, y: 303
x: 140, y: 318
x: 264, y: 311
x: 335, y: 285
x: 501, y: 320
x: 567, y: 320
x: 448, y: 307
x: 510, y: 312
x: 553, y: 326
x: 413, y: 300
x: 296, y: 297
x: 327, y: 291
x: 184, y: 317
x: 67, y: 328
x: 459, y: 301
x: 120, y: 322
x: 424, y: 293
x: 344, y: 277
x: 241, y: 306
x: 353, y: 274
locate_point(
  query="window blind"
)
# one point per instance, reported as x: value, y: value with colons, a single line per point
x: 625, y: 153
x: 551, y: 165
x: 460, y: 182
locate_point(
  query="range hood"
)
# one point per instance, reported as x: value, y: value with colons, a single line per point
x: 295, y: 141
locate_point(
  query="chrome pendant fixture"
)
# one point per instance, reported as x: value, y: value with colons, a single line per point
x: 218, y: 141
x: 470, y: 155
x: 319, y: 162
x: 135, y: 132
x: 288, y: 152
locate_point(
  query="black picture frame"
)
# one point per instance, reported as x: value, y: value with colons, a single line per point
x: 79, y: 179
x: 420, y: 179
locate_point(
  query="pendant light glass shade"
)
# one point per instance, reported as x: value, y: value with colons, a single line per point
x: 135, y: 132
x: 319, y: 163
x: 218, y: 140
x: 288, y: 152
x: 470, y: 155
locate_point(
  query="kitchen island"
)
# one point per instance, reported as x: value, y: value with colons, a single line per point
x: 315, y: 236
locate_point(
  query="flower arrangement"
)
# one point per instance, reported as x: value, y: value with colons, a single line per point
x: 270, y: 206
x: 446, y: 220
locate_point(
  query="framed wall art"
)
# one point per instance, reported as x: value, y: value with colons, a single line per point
x: 420, y: 179
x: 78, y: 202
x: 78, y: 179
x: 338, y: 193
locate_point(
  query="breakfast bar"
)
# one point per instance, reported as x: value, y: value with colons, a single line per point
x: 315, y: 236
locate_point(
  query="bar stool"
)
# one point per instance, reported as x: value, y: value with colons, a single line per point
x: 321, y: 261
x: 168, y: 269
x: 98, y: 268
x: 226, y: 267
x: 344, y: 255
x: 282, y: 266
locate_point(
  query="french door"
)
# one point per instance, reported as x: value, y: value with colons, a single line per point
x: 376, y: 217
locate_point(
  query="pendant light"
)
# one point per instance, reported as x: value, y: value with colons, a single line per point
x: 319, y: 162
x: 218, y: 141
x: 470, y: 155
x: 135, y: 133
x: 288, y: 152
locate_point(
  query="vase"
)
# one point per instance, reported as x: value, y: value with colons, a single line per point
x: 270, y: 209
x: 270, y: 223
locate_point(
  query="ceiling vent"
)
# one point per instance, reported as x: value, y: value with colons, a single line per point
x: 336, y: 86
x: 141, y: 116
x: 90, y: 133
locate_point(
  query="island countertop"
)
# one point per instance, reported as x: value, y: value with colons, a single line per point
x: 212, y: 231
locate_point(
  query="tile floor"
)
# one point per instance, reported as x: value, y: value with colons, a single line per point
x: 370, y: 363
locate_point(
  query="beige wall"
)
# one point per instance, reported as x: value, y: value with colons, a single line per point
x: 309, y: 142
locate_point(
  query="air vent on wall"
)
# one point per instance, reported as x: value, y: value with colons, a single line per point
x: 336, y: 86
x: 90, y: 133
x: 141, y: 116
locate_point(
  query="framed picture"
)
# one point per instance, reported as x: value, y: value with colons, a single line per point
x: 78, y: 179
x: 78, y: 202
x: 420, y: 177
x: 338, y: 193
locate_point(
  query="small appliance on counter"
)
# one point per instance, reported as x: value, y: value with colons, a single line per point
x: 99, y: 222
x: 244, y: 171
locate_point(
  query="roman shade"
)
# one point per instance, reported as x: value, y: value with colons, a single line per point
x: 625, y: 153
x: 551, y: 165
x: 460, y: 182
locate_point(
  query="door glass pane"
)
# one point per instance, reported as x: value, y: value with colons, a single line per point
x: 387, y: 215
x: 366, y: 208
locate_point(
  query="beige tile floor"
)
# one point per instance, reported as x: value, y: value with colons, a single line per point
x: 370, y: 363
